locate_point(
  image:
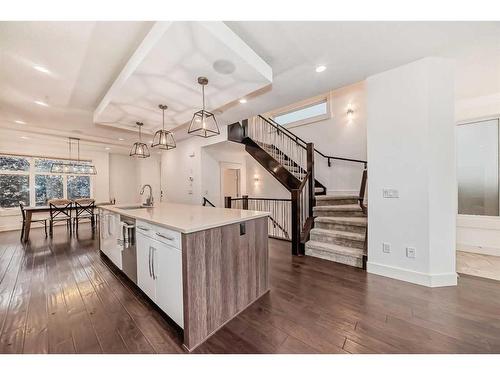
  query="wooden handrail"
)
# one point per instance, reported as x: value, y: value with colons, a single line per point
x: 205, y: 201
x: 303, y: 143
x: 362, y: 190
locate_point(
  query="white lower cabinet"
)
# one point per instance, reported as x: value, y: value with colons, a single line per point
x: 145, y: 278
x: 159, y: 270
x: 109, y: 234
x: 168, y: 263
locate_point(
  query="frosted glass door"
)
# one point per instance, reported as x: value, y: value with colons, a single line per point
x: 477, y: 168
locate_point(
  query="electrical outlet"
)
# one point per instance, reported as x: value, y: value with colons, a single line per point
x: 390, y: 193
x: 411, y: 252
x: 386, y: 247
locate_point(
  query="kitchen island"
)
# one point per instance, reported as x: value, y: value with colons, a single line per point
x: 200, y: 265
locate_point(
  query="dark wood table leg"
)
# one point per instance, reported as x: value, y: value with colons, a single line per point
x: 27, y: 226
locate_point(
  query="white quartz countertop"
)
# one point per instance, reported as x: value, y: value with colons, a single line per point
x: 185, y: 218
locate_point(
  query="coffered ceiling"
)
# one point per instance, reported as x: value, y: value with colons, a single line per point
x: 165, y: 68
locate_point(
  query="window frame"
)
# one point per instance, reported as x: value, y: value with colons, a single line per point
x: 10, y: 211
x: 303, y: 105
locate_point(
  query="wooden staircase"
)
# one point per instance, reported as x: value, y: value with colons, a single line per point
x: 328, y: 227
x: 339, y: 232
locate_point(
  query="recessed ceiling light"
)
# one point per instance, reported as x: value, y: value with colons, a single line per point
x: 243, y: 100
x: 43, y: 104
x: 107, y: 148
x: 24, y: 137
x: 320, y: 68
x: 41, y: 69
x: 20, y: 122
x: 121, y: 139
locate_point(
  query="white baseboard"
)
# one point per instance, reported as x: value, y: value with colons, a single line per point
x: 430, y: 280
x: 495, y: 251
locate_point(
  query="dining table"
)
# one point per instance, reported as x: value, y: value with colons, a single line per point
x: 30, y: 210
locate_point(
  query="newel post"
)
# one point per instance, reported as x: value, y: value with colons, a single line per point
x: 311, y: 182
x: 296, y: 229
x: 227, y: 202
x: 244, y: 202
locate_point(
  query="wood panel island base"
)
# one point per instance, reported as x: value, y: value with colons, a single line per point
x: 200, y: 265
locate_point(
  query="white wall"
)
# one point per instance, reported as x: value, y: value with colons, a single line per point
x: 213, y: 158
x: 261, y: 183
x: 122, y: 178
x: 411, y: 148
x: 338, y: 136
x: 127, y: 175
x: 181, y: 169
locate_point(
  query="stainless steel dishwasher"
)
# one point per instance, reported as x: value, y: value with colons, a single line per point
x: 128, y: 247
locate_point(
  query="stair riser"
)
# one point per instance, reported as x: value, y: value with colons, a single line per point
x: 339, y: 258
x: 339, y: 213
x: 355, y: 244
x: 336, y: 202
x: 341, y: 227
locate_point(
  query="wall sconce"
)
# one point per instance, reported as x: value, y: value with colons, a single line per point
x: 350, y: 114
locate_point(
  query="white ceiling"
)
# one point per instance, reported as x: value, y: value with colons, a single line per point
x: 86, y: 58
x: 165, y: 69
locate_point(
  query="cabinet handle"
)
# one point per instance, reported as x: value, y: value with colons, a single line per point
x: 166, y: 237
x: 142, y: 228
x: 149, y: 261
x: 153, y: 251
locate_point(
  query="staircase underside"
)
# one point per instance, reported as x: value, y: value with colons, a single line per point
x: 339, y: 230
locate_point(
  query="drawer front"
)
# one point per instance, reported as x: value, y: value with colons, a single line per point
x: 165, y: 235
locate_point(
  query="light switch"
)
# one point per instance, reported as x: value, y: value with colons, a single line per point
x: 390, y: 193
x: 386, y: 247
x: 411, y: 252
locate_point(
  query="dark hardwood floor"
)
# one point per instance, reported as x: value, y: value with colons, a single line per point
x: 59, y: 296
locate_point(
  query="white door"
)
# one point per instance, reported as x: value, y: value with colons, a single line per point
x: 145, y: 278
x: 168, y: 270
x: 231, y: 182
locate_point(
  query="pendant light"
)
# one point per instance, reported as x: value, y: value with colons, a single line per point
x: 203, y: 123
x: 140, y: 149
x: 163, y: 139
x: 73, y: 166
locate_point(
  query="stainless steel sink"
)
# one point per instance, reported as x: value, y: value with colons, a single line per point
x: 134, y: 207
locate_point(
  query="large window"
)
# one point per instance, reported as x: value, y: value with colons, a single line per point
x: 29, y: 180
x: 477, y: 168
x: 303, y: 115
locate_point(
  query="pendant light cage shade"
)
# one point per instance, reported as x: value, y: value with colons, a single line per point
x: 140, y: 149
x: 163, y: 139
x: 73, y: 166
x: 204, y: 124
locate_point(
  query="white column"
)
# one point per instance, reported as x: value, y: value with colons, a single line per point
x: 411, y: 150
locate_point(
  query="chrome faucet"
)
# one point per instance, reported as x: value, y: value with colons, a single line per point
x: 149, y: 200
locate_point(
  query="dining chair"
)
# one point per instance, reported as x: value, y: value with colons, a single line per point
x: 84, y: 210
x: 23, y: 213
x: 60, y: 210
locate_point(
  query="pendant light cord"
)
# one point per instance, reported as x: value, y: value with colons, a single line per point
x: 203, y: 95
x: 163, y: 118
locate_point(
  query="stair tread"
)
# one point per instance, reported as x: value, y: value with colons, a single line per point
x: 358, y: 221
x: 336, y: 197
x: 339, y: 233
x: 343, y: 207
x: 357, y: 253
